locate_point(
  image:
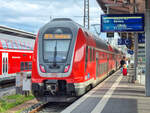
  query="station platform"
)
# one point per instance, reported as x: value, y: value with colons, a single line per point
x: 114, y: 95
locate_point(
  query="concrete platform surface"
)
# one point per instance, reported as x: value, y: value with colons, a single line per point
x: 113, y: 95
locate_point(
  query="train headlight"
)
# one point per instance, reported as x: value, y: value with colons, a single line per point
x: 42, y: 69
x: 66, y: 68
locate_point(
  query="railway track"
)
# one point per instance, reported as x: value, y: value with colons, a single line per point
x: 51, y: 107
x: 54, y: 107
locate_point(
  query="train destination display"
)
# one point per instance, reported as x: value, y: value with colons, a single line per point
x: 57, y: 36
x: 122, y: 22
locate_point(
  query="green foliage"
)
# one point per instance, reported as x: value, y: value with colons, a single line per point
x: 19, y: 111
x: 11, y: 101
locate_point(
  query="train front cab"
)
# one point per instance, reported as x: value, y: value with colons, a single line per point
x: 56, y: 76
x: 79, y: 77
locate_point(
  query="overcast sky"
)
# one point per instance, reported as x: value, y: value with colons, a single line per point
x: 30, y: 15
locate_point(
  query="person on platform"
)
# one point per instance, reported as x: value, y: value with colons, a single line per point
x: 123, y: 61
x: 124, y: 70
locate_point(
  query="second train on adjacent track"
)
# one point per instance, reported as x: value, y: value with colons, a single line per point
x: 68, y: 61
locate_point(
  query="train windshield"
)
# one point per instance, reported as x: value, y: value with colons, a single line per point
x: 56, y: 43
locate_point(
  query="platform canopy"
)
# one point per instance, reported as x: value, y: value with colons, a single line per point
x: 122, y: 6
x: 16, y: 32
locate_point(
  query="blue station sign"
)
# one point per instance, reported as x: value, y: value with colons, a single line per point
x: 123, y: 41
x: 141, y: 38
x: 120, y: 41
x: 122, y: 23
x: 131, y: 52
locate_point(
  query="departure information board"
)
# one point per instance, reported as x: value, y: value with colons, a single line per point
x: 122, y: 23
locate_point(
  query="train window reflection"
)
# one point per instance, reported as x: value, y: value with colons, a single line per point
x: 56, y: 50
x: 93, y: 54
x: 27, y: 46
x: 22, y: 66
x: 15, y: 45
x: 9, y: 44
x: 86, y: 57
x: 26, y: 65
x: 30, y: 65
x: 19, y: 46
x: 23, y: 45
x: 4, y: 43
x: 90, y: 54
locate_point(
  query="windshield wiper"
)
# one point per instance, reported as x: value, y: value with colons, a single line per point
x: 55, y: 55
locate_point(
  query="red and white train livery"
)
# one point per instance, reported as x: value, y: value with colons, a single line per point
x: 68, y: 60
x: 15, y: 56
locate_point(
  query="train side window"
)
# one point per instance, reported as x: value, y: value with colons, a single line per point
x: 107, y: 57
x: 30, y: 65
x: 99, y: 69
x: 22, y: 66
x: 27, y: 46
x: 90, y: 54
x: 23, y: 45
x: 15, y: 45
x: 105, y: 67
x: 6, y: 64
x: 3, y: 65
x: 26, y: 65
x: 102, y: 68
x: 93, y: 54
x: 31, y: 47
x: 114, y: 56
x: 4, y: 43
x: 9, y: 44
x: 86, y: 57
x: 19, y: 46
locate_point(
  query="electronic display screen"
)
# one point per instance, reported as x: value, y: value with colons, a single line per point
x: 122, y: 22
x: 57, y: 36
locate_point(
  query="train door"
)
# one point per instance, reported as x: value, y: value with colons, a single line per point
x: 97, y: 65
x: 4, y: 63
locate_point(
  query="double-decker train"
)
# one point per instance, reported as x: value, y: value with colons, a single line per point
x: 68, y: 61
x: 16, y: 56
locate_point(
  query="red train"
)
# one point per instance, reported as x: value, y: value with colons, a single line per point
x: 68, y: 61
x: 15, y: 57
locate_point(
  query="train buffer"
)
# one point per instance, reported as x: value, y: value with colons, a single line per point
x: 113, y: 95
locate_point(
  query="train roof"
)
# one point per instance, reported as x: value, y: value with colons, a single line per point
x: 16, y: 32
x: 99, y: 42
